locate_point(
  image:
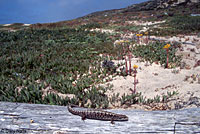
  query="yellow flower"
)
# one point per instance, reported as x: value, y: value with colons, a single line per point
x: 119, y: 42
x: 126, y: 41
x: 167, y: 46
x: 139, y: 35
x: 135, y: 66
x: 146, y: 33
x: 122, y: 41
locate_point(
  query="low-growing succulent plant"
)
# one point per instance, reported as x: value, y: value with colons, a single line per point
x: 130, y: 99
x: 109, y: 65
x: 154, y: 52
x: 53, y: 58
x: 60, y: 60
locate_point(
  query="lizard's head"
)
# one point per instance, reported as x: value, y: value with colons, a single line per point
x: 122, y: 118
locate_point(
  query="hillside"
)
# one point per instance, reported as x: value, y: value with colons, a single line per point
x: 86, y: 61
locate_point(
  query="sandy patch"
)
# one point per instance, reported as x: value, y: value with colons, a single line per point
x: 5, y: 25
x: 103, y: 30
x: 142, y: 23
x: 27, y: 24
x: 192, y: 39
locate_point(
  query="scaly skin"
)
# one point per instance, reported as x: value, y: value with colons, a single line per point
x: 97, y: 114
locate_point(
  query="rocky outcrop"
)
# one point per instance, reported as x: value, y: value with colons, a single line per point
x: 161, y: 4
x: 174, y: 3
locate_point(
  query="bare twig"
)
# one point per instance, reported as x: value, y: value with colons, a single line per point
x: 184, y: 123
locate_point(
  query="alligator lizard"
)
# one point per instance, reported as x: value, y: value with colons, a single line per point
x: 96, y: 114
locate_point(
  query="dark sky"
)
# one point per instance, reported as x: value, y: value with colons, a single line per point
x: 40, y: 11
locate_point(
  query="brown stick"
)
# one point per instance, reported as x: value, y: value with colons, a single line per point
x: 183, y: 123
x: 126, y: 65
x: 135, y: 80
x: 167, y: 58
x: 129, y: 57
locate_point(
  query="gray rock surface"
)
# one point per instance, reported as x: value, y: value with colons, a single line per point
x: 37, y: 118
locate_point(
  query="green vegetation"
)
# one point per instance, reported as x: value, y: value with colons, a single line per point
x: 57, y: 58
x: 139, y: 99
x: 39, y: 64
x: 186, y: 23
x: 154, y: 52
x: 120, y: 28
x: 158, y: 99
x: 178, y: 25
x: 91, y: 25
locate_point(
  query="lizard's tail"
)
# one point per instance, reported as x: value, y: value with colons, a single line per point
x: 71, y: 110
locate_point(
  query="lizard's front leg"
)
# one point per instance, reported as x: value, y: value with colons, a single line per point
x: 112, y: 121
x: 83, y: 117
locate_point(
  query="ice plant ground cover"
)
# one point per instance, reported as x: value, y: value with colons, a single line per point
x: 64, y: 61
x: 33, y: 60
